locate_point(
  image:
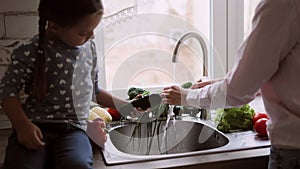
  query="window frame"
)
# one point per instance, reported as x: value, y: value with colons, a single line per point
x: 227, y: 34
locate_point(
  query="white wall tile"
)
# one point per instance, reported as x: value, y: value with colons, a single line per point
x: 2, y: 30
x: 18, y: 5
x: 21, y: 26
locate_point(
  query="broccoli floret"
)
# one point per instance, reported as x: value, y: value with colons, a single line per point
x: 130, y: 90
x: 133, y: 92
x: 139, y: 90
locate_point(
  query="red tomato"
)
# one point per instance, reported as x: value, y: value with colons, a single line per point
x: 259, y: 115
x: 260, y: 126
x: 114, y: 113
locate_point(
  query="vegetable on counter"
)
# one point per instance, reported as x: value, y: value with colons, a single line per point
x: 260, y: 127
x: 99, y: 112
x: 259, y: 115
x: 231, y: 119
x: 114, y: 113
x: 260, y: 120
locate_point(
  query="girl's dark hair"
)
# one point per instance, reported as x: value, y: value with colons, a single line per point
x: 63, y: 13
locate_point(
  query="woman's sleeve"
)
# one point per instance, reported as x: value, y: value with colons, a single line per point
x: 275, y: 32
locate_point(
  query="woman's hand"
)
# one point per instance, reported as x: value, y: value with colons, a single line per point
x: 95, y: 130
x: 204, y: 82
x: 174, y: 95
x: 30, y: 136
x: 199, y: 84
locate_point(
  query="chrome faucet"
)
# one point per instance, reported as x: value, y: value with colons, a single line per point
x: 204, y: 113
x: 202, y: 44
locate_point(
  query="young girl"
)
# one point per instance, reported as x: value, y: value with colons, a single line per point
x: 58, y: 71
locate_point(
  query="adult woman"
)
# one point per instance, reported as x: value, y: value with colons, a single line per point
x: 269, y: 61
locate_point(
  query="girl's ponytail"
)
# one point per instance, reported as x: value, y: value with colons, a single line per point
x: 40, y: 77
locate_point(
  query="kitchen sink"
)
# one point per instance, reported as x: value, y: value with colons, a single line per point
x: 186, y: 137
x: 134, y: 142
x: 157, y: 138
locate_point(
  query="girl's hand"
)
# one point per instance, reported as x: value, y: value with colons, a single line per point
x: 174, y: 95
x: 95, y: 130
x: 30, y: 136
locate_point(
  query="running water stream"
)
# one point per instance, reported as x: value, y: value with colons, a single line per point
x: 170, y: 116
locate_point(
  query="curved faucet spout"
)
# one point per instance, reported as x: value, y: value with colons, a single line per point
x: 202, y: 44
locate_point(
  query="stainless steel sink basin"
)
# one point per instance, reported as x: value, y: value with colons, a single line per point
x: 156, y: 138
x: 149, y: 141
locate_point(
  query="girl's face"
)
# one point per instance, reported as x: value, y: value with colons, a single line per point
x: 78, y: 33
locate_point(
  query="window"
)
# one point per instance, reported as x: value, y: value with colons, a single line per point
x: 239, y: 18
x: 136, y: 42
x: 249, y: 9
x: 138, y: 47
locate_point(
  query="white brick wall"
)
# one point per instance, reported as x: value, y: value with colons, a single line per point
x: 2, y: 30
x: 18, y: 5
x: 21, y: 26
x: 18, y: 22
